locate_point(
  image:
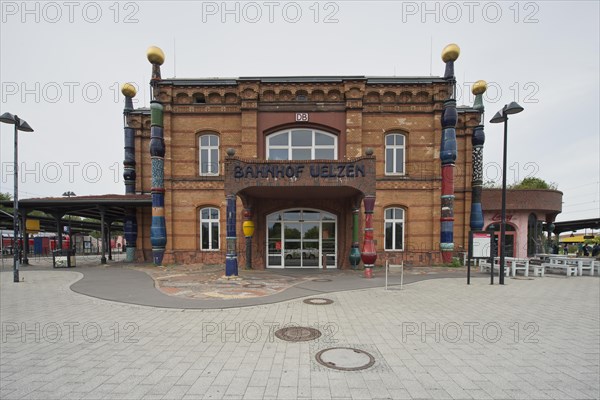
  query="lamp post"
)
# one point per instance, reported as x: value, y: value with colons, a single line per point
x: 71, y: 244
x: 20, y: 125
x: 502, y: 116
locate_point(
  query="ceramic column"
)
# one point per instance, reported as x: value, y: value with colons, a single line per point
x: 129, y: 175
x: 369, y: 254
x: 448, y: 156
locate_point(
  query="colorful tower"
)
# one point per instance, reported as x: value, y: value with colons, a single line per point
x: 130, y: 222
x: 477, y: 141
x: 369, y: 253
x: 231, y: 261
x: 448, y: 155
x: 158, y: 230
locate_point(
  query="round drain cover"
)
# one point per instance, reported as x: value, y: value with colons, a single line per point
x: 321, y: 280
x: 345, y: 358
x: 297, y: 334
x: 318, y: 301
x: 254, y: 285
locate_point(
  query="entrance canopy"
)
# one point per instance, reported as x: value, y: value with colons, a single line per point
x: 266, y: 178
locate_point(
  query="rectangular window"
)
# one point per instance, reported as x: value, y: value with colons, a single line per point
x: 209, y: 228
x: 215, y: 235
x: 209, y: 155
x: 389, y: 161
x: 324, y: 154
x: 278, y: 154
x: 394, y: 228
x: 388, y: 236
x: 398, y: 236
x: 301, y: 154
x: 394, y: 154
x: 205, y: 236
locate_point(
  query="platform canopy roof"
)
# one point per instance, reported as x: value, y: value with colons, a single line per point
x: 113, y: 206
x: 574, y: 225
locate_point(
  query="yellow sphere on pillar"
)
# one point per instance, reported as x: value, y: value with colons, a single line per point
x: 128, y: 90
x: 248, y: 227
x: 155, y: 55
x: 450, y: 52
x: 479, y: 87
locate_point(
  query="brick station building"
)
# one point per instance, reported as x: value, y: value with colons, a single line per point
x: 300, y: 154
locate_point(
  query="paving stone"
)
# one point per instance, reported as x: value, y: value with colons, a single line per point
x: 171, y: 359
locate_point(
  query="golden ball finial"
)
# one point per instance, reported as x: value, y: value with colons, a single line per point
x: 155, y: 55
x: 128, y: 90
x: 450, y: 52
x: 479, y: 87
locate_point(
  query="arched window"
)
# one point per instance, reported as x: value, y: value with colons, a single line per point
x: 394, y: 154
x: 394, y: 229
x: 209, y: 228
x: 301, y: 144
x: 209, y: 155
x: 534, y: 235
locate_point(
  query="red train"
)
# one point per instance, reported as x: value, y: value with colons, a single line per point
x: 38, y: 245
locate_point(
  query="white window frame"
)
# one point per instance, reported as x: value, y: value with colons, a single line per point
x: 210, y: 222
x: 209, y: 149
x: 394, y: 221
x: 313, y: 147
x: 395, y: 147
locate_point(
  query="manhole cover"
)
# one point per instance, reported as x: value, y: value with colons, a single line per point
x: 345, y: 358
x: 297, y: 334
x: 321, y: 280
x: 318, y: 301
x: 254, y: 285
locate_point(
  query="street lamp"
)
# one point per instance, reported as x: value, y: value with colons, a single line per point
x: 502, y: 116
x: 20, y: 125
x: 71, y: 244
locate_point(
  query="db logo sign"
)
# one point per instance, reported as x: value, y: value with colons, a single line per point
x: 301, y: 117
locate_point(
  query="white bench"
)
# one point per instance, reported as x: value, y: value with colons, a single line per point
x: 484, y: 265
x: 585, y: 264
x: 538, y: 270
x: 537, y: 267
x: 518, y: 264
x: 564, y: 264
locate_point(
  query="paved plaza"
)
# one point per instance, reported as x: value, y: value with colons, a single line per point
x: 435, y: 339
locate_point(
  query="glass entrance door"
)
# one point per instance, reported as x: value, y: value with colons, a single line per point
x: 300, y: 238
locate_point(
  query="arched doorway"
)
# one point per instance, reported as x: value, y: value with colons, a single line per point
x: 510, y: 239
x: 300, y: 238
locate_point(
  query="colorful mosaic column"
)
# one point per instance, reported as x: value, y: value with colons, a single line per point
x: 354, y: 251
x: 231, y: 264
x: 129, y: 176
x: 448, y: 156
x: 477, y: 141
x: 248, y: 227
x: 369, y: 254
x: 158, y: 230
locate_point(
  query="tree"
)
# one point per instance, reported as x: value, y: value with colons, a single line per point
x: 533, y: 183
x: 6, y: 197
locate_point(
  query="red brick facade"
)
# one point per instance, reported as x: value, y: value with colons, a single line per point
x: 358, y: 111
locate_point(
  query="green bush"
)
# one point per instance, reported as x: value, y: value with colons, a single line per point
x: 455, y: 263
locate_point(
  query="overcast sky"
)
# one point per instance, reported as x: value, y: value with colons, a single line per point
x: 61, y: 65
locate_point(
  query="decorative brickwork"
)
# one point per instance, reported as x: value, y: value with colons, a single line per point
x: 359, y: 111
